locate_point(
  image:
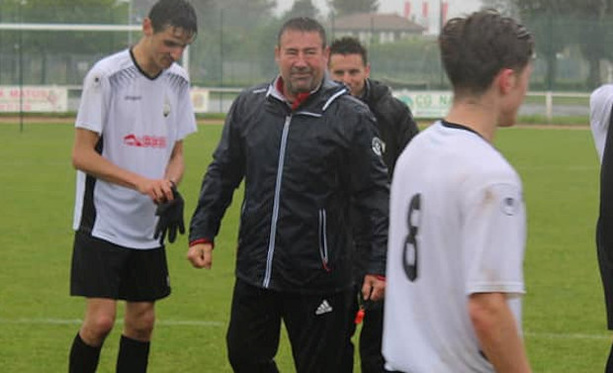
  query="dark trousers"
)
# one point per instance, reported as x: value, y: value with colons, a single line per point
x: 316, y: 326
x: 370, y: 337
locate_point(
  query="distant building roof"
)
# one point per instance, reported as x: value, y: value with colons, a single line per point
x: 377, y: 22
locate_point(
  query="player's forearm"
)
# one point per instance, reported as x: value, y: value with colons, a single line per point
x: 99, y: 167
x: 85, y: 158
x: 497, y: 331
x: 176, y: 165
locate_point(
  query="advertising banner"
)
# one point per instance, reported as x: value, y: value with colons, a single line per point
x: 200, y: 99
x: 430, y: 104
x: 29, y: 98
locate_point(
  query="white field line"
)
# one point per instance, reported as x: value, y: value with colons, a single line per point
x: 556, y: 168
x: 208, y: 323
x: 160, y: 322
x: 576, y: 336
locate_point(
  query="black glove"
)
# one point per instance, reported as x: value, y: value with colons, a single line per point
x: 171, y: 218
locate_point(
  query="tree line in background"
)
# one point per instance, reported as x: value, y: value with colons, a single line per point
x: 239, y: 35
x: 560, y: 26
x: 229, y: 30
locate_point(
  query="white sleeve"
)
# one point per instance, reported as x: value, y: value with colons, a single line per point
x: 92, y: 111
x: 494, y: 235
x: 186, y: 120
x: 601, y: 101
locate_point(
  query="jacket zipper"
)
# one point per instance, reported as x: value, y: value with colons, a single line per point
x: 275, y: 207
x: 323, y: 241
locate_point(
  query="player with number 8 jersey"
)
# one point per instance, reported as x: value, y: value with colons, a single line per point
x: 457, y: 218
x: 452, y: 234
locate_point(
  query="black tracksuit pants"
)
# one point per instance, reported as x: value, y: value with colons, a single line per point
x: 316, y: 326
x: 371, y: 336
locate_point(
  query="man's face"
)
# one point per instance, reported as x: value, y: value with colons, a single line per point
x: 166, y: 46
x: 302, y: 60
x: 351, y: 70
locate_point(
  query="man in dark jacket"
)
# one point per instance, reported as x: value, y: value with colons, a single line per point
x: 349, y: 64
x: 308, y: 153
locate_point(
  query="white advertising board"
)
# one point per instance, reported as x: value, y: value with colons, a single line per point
x: 430, y: 104
x: 200, y: 99
x: 33, y: 99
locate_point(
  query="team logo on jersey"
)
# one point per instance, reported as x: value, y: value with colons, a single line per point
x: 378, y: 146
x: 510, y: 206
x: 166, y: 107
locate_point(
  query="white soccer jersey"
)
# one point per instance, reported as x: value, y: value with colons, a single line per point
x: 601, y: 102
x: 139, y: 120
x: 457, y: 227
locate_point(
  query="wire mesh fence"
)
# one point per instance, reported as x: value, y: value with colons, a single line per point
x: 235, y: 47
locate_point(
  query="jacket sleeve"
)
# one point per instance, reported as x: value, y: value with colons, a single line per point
x: 370, y: 190
x: 397, y: 127
x: 222, y: 177
x: 407, y: 128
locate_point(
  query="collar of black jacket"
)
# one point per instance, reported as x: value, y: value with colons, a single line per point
x: 374, y: 91
x: 317, y: 100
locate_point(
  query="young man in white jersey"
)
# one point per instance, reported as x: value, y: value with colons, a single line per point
x: 457, y: 218
x: 601, y: 105
x: 135, y: 112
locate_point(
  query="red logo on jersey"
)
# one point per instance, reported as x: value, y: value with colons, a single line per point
x: 145, y: 141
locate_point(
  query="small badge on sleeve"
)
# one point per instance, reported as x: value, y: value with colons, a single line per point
x: 378, y: 146
x: 510, y: 206
x: 94, y: 81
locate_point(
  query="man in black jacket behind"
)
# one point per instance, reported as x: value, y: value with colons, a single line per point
x: 308, y: 153
x: 348, y: 63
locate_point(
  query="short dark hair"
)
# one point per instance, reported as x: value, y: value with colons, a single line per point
x: 349, y: 45
x: 175, y: 13
x: 476, y: 48
x: 304, y: 24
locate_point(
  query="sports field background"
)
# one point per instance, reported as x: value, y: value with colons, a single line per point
x: 564, y: 318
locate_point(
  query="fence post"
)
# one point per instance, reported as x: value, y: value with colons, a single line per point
x: 221, y: 57
x: 549, y: 105
x: 20, y: 68
x: 185, y: 60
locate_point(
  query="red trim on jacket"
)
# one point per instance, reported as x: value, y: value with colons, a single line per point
x: 202, y: 240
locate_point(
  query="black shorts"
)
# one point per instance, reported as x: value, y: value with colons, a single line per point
x: 101, y: 269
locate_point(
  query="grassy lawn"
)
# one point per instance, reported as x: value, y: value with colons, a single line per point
x: 564, y: 318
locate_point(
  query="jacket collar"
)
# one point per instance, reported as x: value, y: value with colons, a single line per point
x: 316, y: 102
x: 374, y: 91
x: 366, y: 91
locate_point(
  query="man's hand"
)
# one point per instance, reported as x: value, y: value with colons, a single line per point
x: 159, y: 190
x: 373, y: 288
x: 171, y: 218
x: 201, y: 255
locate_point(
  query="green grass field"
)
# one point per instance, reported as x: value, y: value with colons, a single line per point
x: 564, y: 318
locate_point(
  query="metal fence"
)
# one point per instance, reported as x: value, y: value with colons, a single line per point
x: 234, y: 49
